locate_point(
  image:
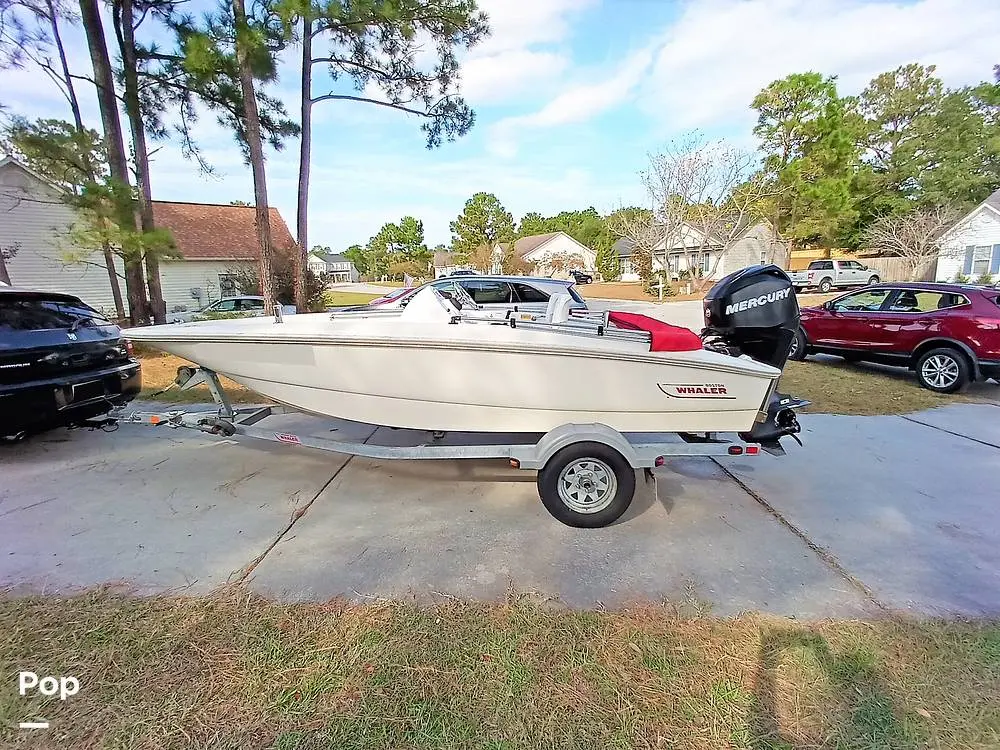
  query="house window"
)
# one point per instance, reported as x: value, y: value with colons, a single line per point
x: 627, y: 266
x: 763, y: 257
x: 706, y: 263
x: 981, y: 260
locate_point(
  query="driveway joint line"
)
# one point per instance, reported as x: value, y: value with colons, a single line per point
x: 829, y: 560
x: 950, y: 432
x: 296, y: 515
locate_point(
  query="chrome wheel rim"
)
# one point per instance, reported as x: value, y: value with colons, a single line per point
x: 941, y: 371
x: 587, y: 485
x: 794, y: 348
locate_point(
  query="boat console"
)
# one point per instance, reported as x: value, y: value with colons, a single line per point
x: 754, y: 312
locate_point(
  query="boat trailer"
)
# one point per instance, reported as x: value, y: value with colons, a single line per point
x: 586, y: 472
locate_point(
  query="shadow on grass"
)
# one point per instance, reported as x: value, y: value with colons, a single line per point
x: 870, y: 720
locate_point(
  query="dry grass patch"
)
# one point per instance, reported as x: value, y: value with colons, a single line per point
x: 159, y: 370
x: 835, y: 386
x: 235, y: 671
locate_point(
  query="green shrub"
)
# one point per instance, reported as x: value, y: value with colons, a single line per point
x: 655, y: 279
x: 986, y: 279
x: 221, y: 315
x: 961, y: 278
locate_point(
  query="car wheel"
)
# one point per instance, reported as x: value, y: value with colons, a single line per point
x: 797, y: 349
x: 587, y: 485
x: 873, y: 280
x: 943, y: 370
x: 825, y: 286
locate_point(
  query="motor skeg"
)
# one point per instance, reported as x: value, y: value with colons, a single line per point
x: 754, y: 312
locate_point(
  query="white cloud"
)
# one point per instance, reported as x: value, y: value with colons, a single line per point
x: 705, y: 68
x: 578, y: 103
x: 523, y: 52
x: 719, y: 53
x: 503, y: 76
x: 517, y: 24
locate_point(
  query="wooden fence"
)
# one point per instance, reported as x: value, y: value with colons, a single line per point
x: 888, y: 268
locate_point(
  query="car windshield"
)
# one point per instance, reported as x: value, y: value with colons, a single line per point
x: 31, y: 313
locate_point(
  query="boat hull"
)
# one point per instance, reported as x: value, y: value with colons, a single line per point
x: 492, y: 381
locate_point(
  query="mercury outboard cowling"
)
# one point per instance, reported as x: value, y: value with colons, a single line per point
x: 754, y: 312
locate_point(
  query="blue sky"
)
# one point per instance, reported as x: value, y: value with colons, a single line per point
x: 571, y: 96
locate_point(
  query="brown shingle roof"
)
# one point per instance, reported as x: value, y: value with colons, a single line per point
x: 526, y: 244
x: 208, y: 231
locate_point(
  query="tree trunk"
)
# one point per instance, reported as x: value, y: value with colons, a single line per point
x: 256, y: 147
x: 126, y: 42
x: 74, y: 105
x: 117, y: 163
x: 305, y: 149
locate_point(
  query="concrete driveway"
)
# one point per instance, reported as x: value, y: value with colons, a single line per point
x: 873, y: 514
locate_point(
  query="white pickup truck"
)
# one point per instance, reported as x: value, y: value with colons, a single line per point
x: 826, y: 274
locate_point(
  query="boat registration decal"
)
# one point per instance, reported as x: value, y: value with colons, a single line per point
x: 695, y: 390
x: 287, y: 437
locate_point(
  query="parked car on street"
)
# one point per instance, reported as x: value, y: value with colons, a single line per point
x: 62, y: 363
x: 581, y: 277
x: 948, y: 334
x: 245, y: 306
x: 826, y: 274
x: 527, y: 293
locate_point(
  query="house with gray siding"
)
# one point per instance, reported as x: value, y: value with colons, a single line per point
x: 971, y: 247
x: 686, y: 251
x: 214, y: 242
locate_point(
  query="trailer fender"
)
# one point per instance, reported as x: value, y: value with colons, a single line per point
x: 537, y: 455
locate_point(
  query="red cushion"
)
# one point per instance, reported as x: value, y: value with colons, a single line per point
x: 665, y: 337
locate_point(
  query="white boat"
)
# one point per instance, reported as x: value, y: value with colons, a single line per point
x: 443, y: 366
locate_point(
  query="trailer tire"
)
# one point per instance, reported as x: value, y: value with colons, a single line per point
x: 587, y: 485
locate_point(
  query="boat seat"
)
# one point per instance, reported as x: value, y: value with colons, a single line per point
x: 557, y: 311
x: 663, y: 336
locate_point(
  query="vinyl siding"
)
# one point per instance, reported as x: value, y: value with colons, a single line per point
x: 747, y: 250
x: 34, y: 219
x: 981, y: 227
x: 561, y: 245
x: 179, y: 278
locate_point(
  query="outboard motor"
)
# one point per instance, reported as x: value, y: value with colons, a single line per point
x: 754, y: 312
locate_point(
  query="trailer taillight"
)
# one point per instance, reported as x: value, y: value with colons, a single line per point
x: 753, y: 450
x: 660, y: 460
x: 735, y: 450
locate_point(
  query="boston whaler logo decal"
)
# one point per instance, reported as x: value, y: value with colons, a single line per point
x: 764, y: 299
x: 694, y: 390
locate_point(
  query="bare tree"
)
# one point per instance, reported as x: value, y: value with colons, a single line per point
x: 482, y: 258
x: 704, y: 196
x: 915, y: 237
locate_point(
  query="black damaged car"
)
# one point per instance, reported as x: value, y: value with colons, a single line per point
x: 62, y: 363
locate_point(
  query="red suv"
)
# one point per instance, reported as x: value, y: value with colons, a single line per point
x: 948, y: 333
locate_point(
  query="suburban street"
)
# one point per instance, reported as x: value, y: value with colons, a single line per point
x: 872, y: 514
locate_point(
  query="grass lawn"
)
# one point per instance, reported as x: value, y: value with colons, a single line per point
x: 838, y: 387
x: 235, y: 671
x: 338, y: 299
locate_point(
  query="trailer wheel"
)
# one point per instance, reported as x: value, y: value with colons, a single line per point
x: 587, y: 485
